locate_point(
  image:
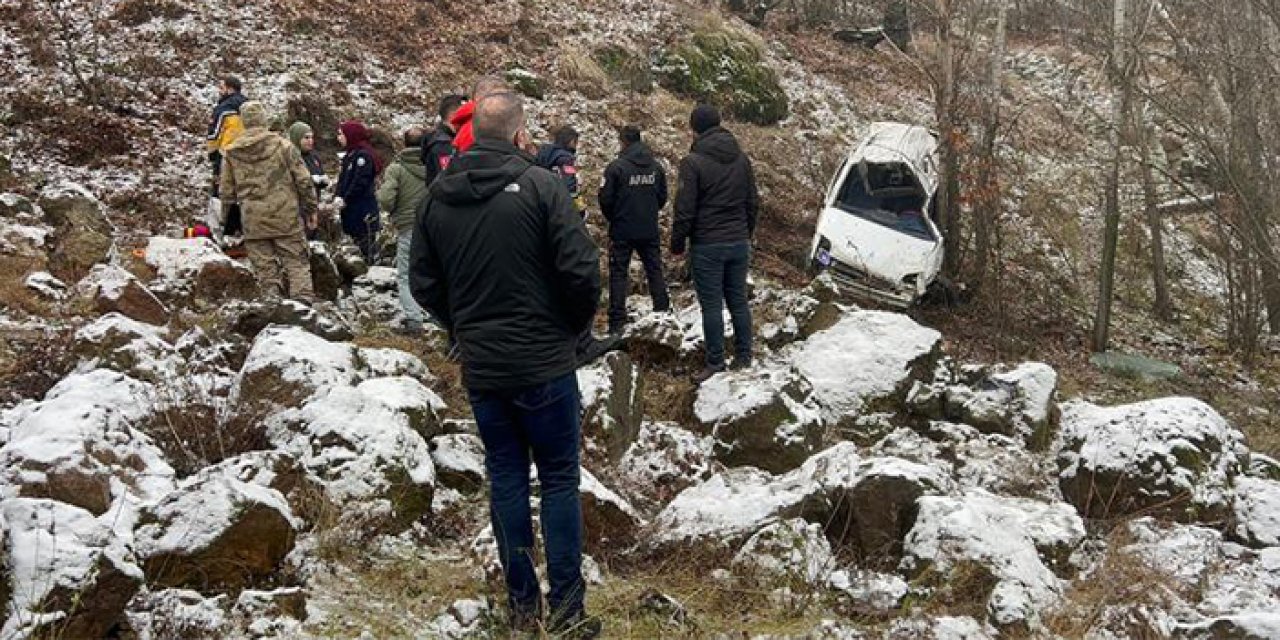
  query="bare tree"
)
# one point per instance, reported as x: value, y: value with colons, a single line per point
x: 1120, y: 72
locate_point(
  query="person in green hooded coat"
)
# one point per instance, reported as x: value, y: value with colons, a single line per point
x: 404, y: 187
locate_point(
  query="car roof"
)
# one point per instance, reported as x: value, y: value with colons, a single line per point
x: 899, y: 143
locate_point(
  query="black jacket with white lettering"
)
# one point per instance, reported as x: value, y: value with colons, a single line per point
x: 503, y: 261
x: 634, y: 191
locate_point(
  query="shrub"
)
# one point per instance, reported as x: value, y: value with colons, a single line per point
x: 728, y: 70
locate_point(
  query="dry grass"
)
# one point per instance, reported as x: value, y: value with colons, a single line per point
x: 578, y: 71
x: 434, y: 353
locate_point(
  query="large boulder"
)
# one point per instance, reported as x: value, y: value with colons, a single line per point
x: 656, y: 337
x: 364, y: 451
x: 664, y: 460
x: 180, y: 613
x: 612, y: 405
x: 1256, y: 512
x: 287, y: 365
x: 866, y: 362
x: 459, y: 461
x: 281, y: 472
x: 215, y: 531
x: 290, y: 313
x: 1016, y: 543
x: 865, y: 504
x: 762, y: 417
x: 326, y: 280
x: 1173, y: 456
x: 611, y: 523
x: 411, y: 399
x: 82, y: 233
x: 117, y: 342
x: 79, y: 445
x: 1020, y: 402
x: 997, y: 463
x: 791, y: 552
x: 197, y: 267
x: 71, y: 577
x: 724, y: 68
x: 113, y: 289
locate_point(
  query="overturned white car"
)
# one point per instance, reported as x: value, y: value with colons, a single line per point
x: 876, y: 235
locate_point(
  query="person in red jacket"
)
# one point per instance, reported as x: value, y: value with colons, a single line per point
x: 461, y: 121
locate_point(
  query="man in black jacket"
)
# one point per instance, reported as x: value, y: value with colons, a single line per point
x: 634, y: 191
x: 437, y: 151
x: 503, y: 262
x: 716, y: 209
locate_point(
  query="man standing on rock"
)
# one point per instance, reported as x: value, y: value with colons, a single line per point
x: 264, y: 174
x: 716, y: 210
x: 225, y: 125
x: 634, y: 191
x: 404, y: 187
x: 501, y: 259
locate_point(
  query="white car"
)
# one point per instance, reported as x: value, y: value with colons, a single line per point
x: 876, y: 235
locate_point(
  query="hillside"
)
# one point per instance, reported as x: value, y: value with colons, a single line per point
x: 179, y: 460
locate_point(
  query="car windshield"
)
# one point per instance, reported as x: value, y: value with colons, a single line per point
x: 896, y: 199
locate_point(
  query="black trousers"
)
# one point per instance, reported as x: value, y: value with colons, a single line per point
x: 650, y: 252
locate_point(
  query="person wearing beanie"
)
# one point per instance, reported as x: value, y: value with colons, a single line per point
x: 715, y: 213
x: 354, y: 197
x: 266, y: 177
x: 404, y: 187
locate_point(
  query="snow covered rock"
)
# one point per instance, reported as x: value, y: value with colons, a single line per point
x: 71, y: 577
x: 939, y: 628
x: 197, y: 267
x: 868, y: 590
x: 612, y: 405
x: 364, y: 452
x: 179, y: 613
x: 215, y: 531
x: 1256, y: 508
x: 79, y: 444
x: 1263, y: 466
x: 866, y: 504
x: 1018, y: 542
x: 290, y: 313
x: 420, y: 405
x: 82, y: 234
x: 326, y: 281
x: 393, y: 363
x: 1174, y: 456
x: 791, y: 552
x: 998, y: 463
x: 287, y: 365
x: 761, y: 417
x: 463, y: 619
x: 459, y: 461
x: 349, y: 263
x: 656, y: 337
x: 1019, y: 403
x: 113, y: 289
x: 1254, y: 625
x: 46, y: 285
x: 611, y: 522
x: 278, y: 471
x: 664, y: 460
x: 14, y: 206
x: 117, y: 342
x: 867, y: 359
x: 273, y: 613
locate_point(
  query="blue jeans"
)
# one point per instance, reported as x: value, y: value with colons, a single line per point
x: 412, y: 312
x: 720, y: 277
x: 539, y: 422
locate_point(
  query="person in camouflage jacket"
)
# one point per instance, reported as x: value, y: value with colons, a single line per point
x: 265, y: 175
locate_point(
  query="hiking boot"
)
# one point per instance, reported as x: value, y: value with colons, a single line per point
x: 578, y: 627
x: 706, y: 373
x: 598, y: 347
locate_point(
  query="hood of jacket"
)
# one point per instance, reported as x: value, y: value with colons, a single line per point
x: 718, y: 144
x: 481, y: 173
x: 638, y: 154
x: 463, y: 115
x: 254, y: 145
x: 551, y: 154
x: 298, y: 131
x: 411, y: 160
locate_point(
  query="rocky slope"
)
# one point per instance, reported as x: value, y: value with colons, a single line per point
x: 180, y: 461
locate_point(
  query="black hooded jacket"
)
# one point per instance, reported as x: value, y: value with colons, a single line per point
x: 437, y: 151
x: 634, y: 191
x: 718, y: 201
x: 503, y: 262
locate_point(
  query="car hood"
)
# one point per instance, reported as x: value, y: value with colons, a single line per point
x: 876, y: 249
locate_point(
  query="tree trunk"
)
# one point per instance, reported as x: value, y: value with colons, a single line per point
x: 949, y: 191
x: 1111, y: 225
x: 988, y: 183
x: 1162, y: 308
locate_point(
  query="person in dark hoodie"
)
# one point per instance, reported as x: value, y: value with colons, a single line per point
x: 634, y: 191
x: 404, y: 186
x: 225, y: 126
x: 502, y: 261
x: 561, y: 158
x: 461, y: 120
x: 437, y: 151
x: 716, y: 209
x: 304, y: 140
x: 354, y: 196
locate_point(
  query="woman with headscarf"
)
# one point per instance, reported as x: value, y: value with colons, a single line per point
x: 355, y: 196
x: 302, y: 137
